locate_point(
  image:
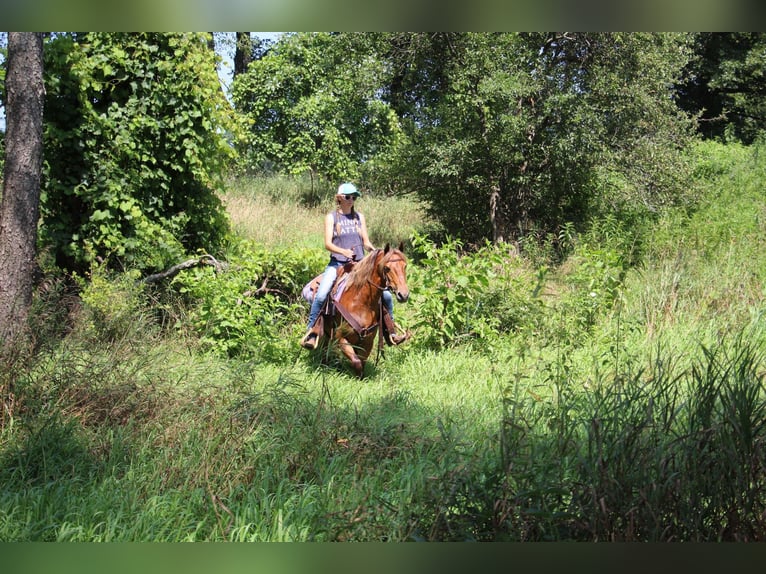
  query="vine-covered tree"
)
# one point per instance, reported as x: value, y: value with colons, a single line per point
x: 136, y: 144
x: 19, y: 207
x: 243, y: 52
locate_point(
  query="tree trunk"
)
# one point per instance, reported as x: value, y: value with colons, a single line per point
x: 20, y: 205
x: 495, y: 215
x: 243, y: 53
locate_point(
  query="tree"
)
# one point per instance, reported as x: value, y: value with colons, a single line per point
x: 510, y: 132
x: 313, y: 106
x: 725, y: 84
x: 243, y: 53
x: 19, y: 208
x: 137, y: 131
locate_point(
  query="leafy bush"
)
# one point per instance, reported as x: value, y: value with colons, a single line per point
x: 113, y: 304
x: 470, y: 295
x: 250, y: 305
x: 593, y: 276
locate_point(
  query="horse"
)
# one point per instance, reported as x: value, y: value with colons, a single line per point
x: 357, y: 299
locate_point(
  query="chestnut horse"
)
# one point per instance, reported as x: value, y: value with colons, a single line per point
x: 358, y: 315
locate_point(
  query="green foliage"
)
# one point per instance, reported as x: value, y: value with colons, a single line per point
x: 134, y: 147
x: 653, y: 451
x: 460, y: 296
x: 311, y: 106
x: 514, y: 132
x: 112, y: 304
x: 640, y: 419
x: 595, y: 274
x: 245, y: 310
x: 724, y: 84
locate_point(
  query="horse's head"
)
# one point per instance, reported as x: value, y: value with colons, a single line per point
x: 393, y: 271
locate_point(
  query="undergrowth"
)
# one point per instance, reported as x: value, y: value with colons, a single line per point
x: 614, y: 394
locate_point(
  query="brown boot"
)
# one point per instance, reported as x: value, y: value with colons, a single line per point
x: 310, y: 340
x: 397, y: 339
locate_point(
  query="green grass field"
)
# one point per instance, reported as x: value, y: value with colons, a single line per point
x: 592, y: 400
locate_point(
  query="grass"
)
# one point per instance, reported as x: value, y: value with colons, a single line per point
x: 251, y: 455
x: 282, y: 212
x: 646, y: 424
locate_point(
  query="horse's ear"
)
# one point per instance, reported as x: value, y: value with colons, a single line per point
x: 401, y: 246
x: 387, y: 248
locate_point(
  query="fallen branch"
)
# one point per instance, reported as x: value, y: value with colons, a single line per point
x: 176, y: 269
x: 260, y: 291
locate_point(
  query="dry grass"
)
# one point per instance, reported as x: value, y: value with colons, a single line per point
x: 282, y: 212
x: 273, y: 223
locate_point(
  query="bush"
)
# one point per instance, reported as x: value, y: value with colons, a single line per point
x: 475, y: 295
x: 252, y: 304
x: 114, y: 304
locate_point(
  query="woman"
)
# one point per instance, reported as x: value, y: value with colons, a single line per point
x: 345, y: 237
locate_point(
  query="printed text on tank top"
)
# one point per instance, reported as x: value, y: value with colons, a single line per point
x: 347, y: 235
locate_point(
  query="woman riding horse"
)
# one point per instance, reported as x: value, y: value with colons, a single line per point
x: 346, y: 238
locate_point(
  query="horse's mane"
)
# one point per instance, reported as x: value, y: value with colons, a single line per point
x: 362, y: 270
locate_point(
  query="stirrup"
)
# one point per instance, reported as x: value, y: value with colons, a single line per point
x: 395, y: 339
x: 310, y: 341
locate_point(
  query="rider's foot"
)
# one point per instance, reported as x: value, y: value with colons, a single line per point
x: 397, y: 339
x: 309, y: 340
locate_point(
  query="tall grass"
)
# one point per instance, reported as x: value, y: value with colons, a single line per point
x: 657, y: 454
x: 613, y: 402
x: 281, y: 211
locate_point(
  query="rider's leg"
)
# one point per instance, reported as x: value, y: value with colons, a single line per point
x: 394, y: 337
x: 388, y: 300
x: 311, y: 337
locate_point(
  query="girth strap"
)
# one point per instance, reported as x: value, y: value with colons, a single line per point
x: 361, y: 331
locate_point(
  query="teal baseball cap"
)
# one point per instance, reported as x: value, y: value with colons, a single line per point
x: 348, y: 189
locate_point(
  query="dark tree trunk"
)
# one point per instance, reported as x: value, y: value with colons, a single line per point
x: 20, y: 205
x: 243, y: 54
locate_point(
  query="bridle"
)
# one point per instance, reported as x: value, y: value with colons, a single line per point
x: 386, y: 282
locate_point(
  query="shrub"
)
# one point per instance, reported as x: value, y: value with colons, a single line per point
x: 473, y: 295
x: 249, y: 305
x: 113, y: 304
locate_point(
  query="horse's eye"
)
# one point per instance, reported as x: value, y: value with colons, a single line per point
x: 386, y: 269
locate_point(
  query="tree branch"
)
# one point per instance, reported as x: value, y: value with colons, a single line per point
x: 176, y: 269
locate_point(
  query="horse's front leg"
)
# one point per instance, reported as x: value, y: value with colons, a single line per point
x: 348, y: 350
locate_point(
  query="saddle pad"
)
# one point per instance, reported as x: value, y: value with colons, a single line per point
x: 310, y: 289
x: 340, y: 286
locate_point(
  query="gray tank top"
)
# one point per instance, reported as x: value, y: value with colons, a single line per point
x: 345, y: 234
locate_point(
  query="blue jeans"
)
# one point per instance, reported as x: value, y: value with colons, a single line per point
x: 325, y: 286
